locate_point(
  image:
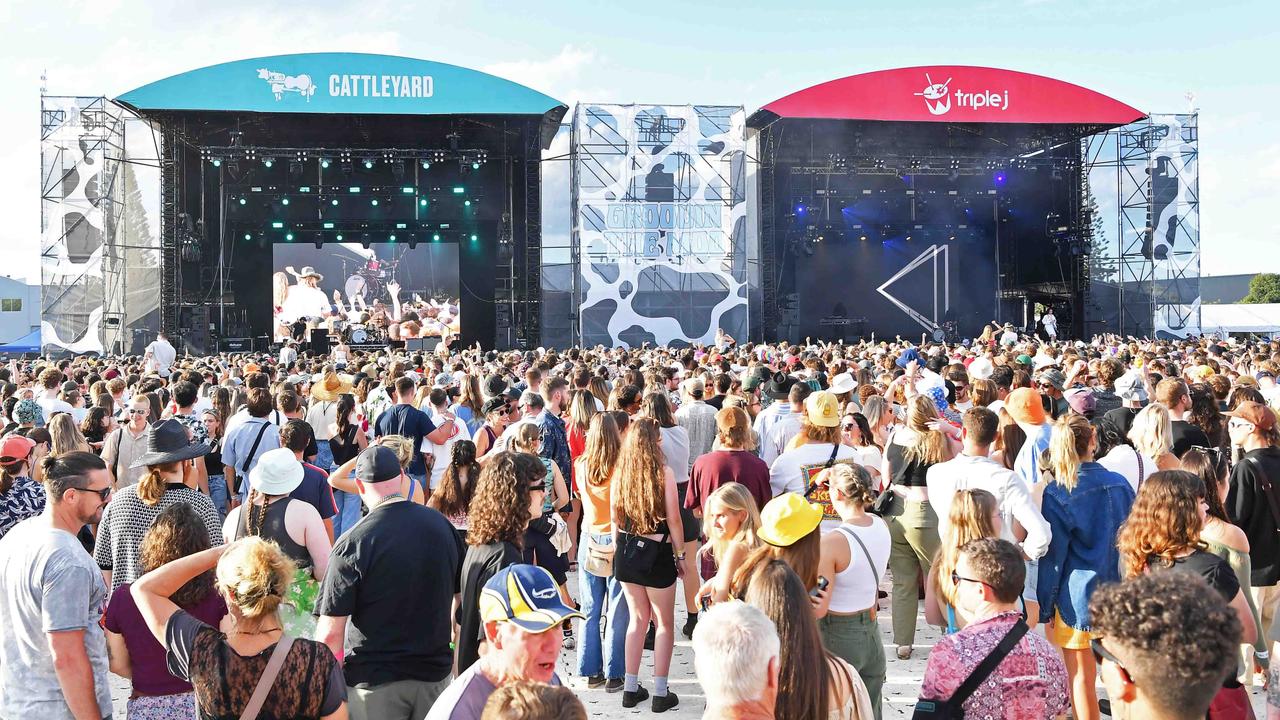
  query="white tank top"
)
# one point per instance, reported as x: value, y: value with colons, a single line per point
x: 855, y: 587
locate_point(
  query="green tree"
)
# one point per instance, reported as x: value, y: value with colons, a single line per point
x: 1263, y: 288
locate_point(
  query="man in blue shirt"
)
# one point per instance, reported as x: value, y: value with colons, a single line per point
x: 247, y: 441
x: 408, y: 421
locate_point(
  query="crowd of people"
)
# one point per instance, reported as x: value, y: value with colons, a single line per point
x: 389, y: 535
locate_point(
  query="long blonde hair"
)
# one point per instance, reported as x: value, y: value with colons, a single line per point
x: 930, y: 446
x: 639, y: 491
x: 1152, y: 431
x: 1068, y: 443
x: 603, y: 446
x: 969, y: 519
x: 256, y: 573
x: 65, y: 437
x: 151, y: 486
x: 735, y: 498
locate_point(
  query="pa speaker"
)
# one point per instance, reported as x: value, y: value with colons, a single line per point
x: 319, y: 341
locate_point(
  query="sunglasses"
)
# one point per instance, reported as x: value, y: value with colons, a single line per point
x: 102, y: 494
x: 956, y: 579
x: 1100, y: 653
x: 1239, y: 424
x: 538, y: 488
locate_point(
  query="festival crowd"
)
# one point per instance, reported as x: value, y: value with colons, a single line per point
x: 402, y: 536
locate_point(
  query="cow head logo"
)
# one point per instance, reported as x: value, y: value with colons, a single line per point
x: 281, y: 83
x: 936, y: 96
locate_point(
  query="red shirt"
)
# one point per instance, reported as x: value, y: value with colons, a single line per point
x: 725, y: 466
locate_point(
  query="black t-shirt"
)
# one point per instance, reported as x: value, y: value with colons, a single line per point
x: 410, y: 422
x: 1185, y: 435
x: 1121, y: 419
x: 1213, y: 569
x: 394, y: 575
x: 1248, y: 507
x: 482, y: 562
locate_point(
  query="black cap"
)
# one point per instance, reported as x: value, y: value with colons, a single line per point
x: 492, y: 404
x: 377, y: 464
x: 494, y: 385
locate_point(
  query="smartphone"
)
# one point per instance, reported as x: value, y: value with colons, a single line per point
x: 705, y: 602
x: 822, y: 585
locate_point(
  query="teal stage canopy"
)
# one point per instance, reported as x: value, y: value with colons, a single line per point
x: 349, y: 83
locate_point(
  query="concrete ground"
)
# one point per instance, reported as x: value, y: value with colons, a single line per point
x: 900, y: 692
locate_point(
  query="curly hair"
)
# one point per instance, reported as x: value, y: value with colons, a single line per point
x: 969, y: 519
x: 1174, y: 634
x: 257, y: 574
x: 499, y: 509
x: 1164, y: 522
x: 638, y: 493
x: 400, y: 445
x: 176, y: 533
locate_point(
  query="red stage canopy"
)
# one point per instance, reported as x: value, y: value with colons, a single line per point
x: 955, y: 94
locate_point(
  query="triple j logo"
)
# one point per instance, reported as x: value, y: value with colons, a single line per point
x: 938, y: 96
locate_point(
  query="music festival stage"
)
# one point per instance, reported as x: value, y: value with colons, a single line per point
x: 332, y: 195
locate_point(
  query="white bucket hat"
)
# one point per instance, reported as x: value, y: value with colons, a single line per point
x: 278, y: 472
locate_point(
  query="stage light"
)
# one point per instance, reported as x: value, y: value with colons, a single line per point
x: 324, y: 163
x: 406, y: 190
x: 402, y: 226
x: 243, y: 201
x: 999, y: 178
x: 391, y: 238
x: 467, y: 203
x: 289, y: 237
x: 863, y: 237
x: 284, y: 201
x: 474, y: 238
x: 338, y: 237
x: 426, y: 165
x: 277, y: 226
x: 475, y: 166
x: 373, y: 201
x: 247, y: 236
x: 800, y: 209
x: 458, y: 190
x: 328, y: 226
x: 368, y: 164
x: 305, y: 189
x: 908, y: 238
x: 353, y: 189
x: 423, y: 202
x: 268, y: 162
x: 436, y: 237
x: 217, y: 162
x: 333, y: 201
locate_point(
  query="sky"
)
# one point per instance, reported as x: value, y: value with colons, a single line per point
x: 1163, y: 56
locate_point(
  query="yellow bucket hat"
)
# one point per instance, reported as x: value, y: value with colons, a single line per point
x: 787, y: 518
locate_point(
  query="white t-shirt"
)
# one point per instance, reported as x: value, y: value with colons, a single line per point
x: 162, y: 356
x: 1050, y: 324
x: 51, y: 405
x: 1123, y: 459
x: 784, y: 474
x: 442, y: 452
x: 303, y: 302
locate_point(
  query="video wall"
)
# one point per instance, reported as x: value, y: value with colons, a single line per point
x: 371, y: 287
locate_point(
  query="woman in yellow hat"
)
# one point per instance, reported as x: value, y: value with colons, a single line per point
x: 790, y: 530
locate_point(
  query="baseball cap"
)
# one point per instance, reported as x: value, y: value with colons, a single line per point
x: 70, y: 386
x: 1256, y: 413
x: 1082, y: 400
x: 1023, y: 405
x: 443, y: 380
x: 787, y: 518
x: 1023, y: 359
x: 822, y: 409
x: 15, y: 448
x: 492, y: 404
x: 377, y: 464
x: 527, y: 596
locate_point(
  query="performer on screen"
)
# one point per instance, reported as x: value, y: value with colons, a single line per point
x: 305, y: 299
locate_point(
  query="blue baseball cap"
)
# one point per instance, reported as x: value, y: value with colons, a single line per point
x: 527, y: 596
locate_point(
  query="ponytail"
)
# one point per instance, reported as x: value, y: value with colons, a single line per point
x: 1069, y: 442
x: 152, y: 485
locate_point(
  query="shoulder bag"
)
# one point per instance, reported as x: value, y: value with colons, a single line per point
x: 952, y: 708
x: 244, y: 466
x: 268, y: 679
x: 1269, y: 490
x: 884, y: 501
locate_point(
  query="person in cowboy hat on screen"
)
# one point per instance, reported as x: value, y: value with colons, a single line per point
x: 306, y: 299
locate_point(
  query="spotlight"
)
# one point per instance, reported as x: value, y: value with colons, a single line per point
x: 268, y: 162
x: 474, y: 165
x: 426, y: 165
x: 373, y: 201
x: 467, y: 203
x: 436, y: 237
x: 288, y: 236
x: 999, y: 178
x: 217, y: 162
x: 423, y: 202
x: 391, y: 238
x: 324, y: 163
x: 247, y: 236
x: 338, y: 237
x: 243, y: 201
x: 474, y: 238
x: 368, y: 164
x: 333, y: 201
x: 284, y: 201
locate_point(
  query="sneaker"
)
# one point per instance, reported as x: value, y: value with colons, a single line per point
x: 595, y: 682
x: 613, y: 685
x: 689, y: 625
x: 649, y: 636
x: 632, y: 699
x: 568, y: 637
x: 663, y: 703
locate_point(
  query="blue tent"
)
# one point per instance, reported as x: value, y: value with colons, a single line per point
x: 29, y: 343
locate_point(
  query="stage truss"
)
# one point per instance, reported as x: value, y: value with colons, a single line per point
x: 1143, y: 188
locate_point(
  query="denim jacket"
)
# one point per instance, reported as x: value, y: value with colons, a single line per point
x: 1082, y: 552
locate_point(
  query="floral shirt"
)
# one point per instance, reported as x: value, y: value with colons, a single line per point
x: 25, y: 499
x: 1031, y: 682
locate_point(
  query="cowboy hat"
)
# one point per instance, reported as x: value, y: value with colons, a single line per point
x: 308, y: 271
x: 331, y: 387
x: 168, y: 442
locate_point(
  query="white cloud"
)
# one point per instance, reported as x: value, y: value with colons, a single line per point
x: 557, y: 76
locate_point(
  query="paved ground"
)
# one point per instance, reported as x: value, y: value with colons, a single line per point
x: 900, y: 693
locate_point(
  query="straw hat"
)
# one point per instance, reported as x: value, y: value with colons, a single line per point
x: 331, y: 386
